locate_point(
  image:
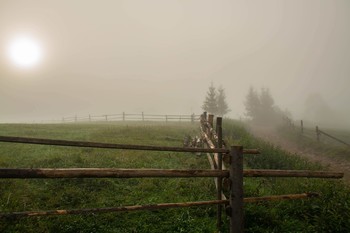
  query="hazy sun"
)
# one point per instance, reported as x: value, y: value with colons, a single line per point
x: 24, y: 52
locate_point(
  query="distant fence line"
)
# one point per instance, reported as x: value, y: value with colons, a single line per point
x: 305, y: 132
x: 128, y: 117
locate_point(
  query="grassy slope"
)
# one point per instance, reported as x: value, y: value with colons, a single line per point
x: 45, y: 194
x: 327, y: 146
x: 329, y: 213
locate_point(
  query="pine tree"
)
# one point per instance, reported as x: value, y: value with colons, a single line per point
x: 267, y: 111
x: 252, y: 104
x: 210, y: 102
x: 266, y: 99
x: 222, y: 107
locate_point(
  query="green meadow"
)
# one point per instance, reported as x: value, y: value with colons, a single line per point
x: 328, y: 213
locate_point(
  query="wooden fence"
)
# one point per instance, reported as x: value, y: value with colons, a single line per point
x: 314, y: 134
x: 131, y: 117
x: 321, y: 132
x: 219, y: 155
x: 234, y: 182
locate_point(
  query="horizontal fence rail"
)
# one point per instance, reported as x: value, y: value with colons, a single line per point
x: 110, y: 209
x: 280, y: 197
x: 291, y: 173
x: 153, y: 206
x: 30, y: 173
x: 54, y: 142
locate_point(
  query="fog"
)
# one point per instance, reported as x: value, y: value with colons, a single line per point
x: 155, y: 56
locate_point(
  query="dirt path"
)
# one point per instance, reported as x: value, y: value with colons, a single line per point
x: 270, y: 135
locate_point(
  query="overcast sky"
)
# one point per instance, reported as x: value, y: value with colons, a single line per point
x: 159, y: 56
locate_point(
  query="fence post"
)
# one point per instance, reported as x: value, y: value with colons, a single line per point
x: 302, y: 126
x: 166, y: 118
x: 123, y: 116
x: 236, y: 192
x: 143, y: 117
x: 192, y: 118
x: 317, y: 134
x: 106, y: 117
x: 219, y: 179
x: 211, y: 119
x: 211, y: 122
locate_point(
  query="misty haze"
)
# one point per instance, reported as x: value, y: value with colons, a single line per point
x: 174, y: 116
x: 160, y: 57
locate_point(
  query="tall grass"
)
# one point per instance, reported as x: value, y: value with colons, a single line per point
x: 327, y: 147
x: 47, y: 194
x: 328, y: 213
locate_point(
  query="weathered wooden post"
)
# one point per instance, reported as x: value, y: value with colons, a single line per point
x: 166, y: 118
x: 123, y: 116
x: 203, y: 120
x: 236, y: 192
x: 211, y: 123
x: 211, y: 119
x: 205, y: 115
x: 317, y: 134
x: 143, y: 117
x: 219, y: 167
x: 302, y: 126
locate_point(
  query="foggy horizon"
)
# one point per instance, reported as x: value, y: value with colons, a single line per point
x: 160, y: 57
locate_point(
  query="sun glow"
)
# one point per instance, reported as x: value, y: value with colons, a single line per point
x: 24, y: 52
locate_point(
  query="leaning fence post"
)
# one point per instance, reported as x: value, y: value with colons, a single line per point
x: 219, y: 167
x: 236, y: 192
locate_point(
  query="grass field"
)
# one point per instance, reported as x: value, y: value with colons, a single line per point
x: 46, y: 194
x: 329, y: 213
x: 326, y: 146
